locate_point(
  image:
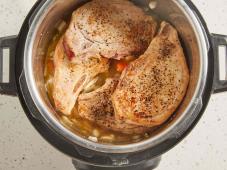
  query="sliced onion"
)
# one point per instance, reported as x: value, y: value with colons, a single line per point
x: 49, y: 82
x: 136, y: 137
x: 153, y: 4
x: 66, y: 121
x: 91, y: 85
x: 146, y: 135
x: 96, y: 132
x: 62, y: 26
x: 92, y: 138
x: 109, y: 138
x: 130, y: 58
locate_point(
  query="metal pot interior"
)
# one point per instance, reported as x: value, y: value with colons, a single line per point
x: 42, y: 28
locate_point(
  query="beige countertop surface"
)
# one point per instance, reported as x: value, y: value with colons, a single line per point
x: 22, y: 148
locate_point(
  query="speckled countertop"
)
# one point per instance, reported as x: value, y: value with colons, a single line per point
x: 22, y: 148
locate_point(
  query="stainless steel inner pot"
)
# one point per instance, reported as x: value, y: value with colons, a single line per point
x: 196, y: 48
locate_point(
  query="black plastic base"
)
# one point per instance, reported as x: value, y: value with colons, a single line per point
x: 148, y: 165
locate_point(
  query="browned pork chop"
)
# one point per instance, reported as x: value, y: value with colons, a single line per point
x: 97, y: 107
x: 153, y: 86
x: 111, y: 28
x: 71, y: 77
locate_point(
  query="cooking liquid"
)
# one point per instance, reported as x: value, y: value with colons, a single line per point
x: 74, y: 122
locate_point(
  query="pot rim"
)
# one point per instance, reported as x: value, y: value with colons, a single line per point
x: 171, y: 132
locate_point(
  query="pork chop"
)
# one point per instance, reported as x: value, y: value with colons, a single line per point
x: 97, y: 107
x: 111, y: 28
x: 152, y: 87
x: 71, y: 77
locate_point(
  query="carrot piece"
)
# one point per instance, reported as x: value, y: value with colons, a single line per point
x: 120, y: 66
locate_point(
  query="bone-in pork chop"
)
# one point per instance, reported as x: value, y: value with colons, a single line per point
x: 97, y: 107
x: 71, y: 76
x: 111, y: 28
x: 152, y: 87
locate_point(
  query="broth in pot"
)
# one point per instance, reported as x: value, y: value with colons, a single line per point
x: 166, y: 84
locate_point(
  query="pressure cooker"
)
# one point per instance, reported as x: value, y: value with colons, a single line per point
x: 26, y: 81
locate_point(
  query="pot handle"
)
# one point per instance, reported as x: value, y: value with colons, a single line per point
x: 8, y: 88
x: 219, y: 40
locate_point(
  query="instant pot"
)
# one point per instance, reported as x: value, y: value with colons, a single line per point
x: 26, y: 80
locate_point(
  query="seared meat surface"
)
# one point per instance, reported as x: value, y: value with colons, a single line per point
x: 97, y: 107
x: 111, y: 28
x: 98, y: 30
x: 71, y: 77
x: 155, y: 74
x: 152, y: 87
